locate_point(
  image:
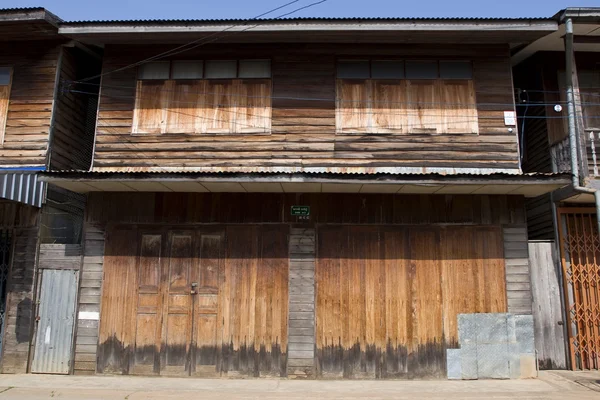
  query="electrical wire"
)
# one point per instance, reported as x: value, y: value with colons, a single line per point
x: 197, y: 42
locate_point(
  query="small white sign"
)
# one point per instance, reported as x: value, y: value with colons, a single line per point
x: 510, y: 119
x: 93, y: 315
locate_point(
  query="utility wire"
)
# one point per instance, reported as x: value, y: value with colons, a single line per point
x: 317, y: 99
x: 198, y: 42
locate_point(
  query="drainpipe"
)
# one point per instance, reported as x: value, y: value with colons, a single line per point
x: 573, y: 136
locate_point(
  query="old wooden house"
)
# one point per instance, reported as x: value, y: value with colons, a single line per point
x: 563, y: 225
x: 35, y: 117
x: 327, y: 198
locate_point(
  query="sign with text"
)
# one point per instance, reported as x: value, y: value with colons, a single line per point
x: 300, y: 211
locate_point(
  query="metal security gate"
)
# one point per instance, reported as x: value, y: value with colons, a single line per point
x: 580, y: 255
x: 56, y: 316
x: 5, y: 246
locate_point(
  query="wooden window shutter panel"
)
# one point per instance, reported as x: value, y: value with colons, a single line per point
x: 253, y: 111
x: 151, y: 106
x: 185, y: 112
x: 219, y: 107
x: 4, y: 102
x: 353, y: 106
x: 459, y: 112
x: 389, y: 106
x: 424, y: 106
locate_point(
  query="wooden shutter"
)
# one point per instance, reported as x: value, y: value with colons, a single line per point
x: 353, y: 106
x: 4, y: 100
x: 459, y: 109
x: 389, y: 106
x: 423, y: 108
x: 151, y: 106
x: 253, y: 111
x: 185, y: 113
x: 219, y: 109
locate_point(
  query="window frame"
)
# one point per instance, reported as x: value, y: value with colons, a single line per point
x: 370, y: 83
x: 169, y: 84
x: 4, y: 107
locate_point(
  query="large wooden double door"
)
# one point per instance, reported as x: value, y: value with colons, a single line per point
x: 188, y: 301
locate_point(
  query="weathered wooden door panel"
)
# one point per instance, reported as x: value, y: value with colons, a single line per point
x: 388, y: 297
x: 191, y: 302
x: 255, y: 300
x: 148, y: 315
x: 207, y: 331
x: 177, y: 328
x: 116, y: 339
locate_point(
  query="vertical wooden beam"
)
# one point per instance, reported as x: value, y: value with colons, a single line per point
x: 518, y: 274
x: 301, y: 331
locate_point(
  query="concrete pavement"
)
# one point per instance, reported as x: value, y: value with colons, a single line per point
x: 550, y: 385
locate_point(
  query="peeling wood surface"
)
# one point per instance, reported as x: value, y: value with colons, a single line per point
x: 234, y: 323
x: 388, y: 298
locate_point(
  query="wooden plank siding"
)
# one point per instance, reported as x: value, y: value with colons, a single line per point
x: 303, y: 131
x: 74, y: 119
x: 90, y: 289
x: 518, y: 273
x: 190, y: 208
x: 20, y: 306
x: 31, y: 102
x: 301, y: 340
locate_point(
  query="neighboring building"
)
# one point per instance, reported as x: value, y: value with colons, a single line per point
x: 308, y: 197
x: 34, y: 117
x: 568, y: 288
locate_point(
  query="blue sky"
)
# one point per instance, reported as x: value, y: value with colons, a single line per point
x: 192, y: 9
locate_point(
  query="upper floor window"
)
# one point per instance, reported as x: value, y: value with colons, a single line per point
x: 398, y: 96
x: 589, y: 97
x: 212, y: 96
x: 5, y: 84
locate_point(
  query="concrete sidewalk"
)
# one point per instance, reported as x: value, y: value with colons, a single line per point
x: 551, y: 385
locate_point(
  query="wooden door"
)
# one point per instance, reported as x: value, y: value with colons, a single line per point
x: 159, y: 313
x: 387, y: 298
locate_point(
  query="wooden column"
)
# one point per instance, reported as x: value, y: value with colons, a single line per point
x: 518, y: 277
x: 90, y: 287
x: 301, y: 332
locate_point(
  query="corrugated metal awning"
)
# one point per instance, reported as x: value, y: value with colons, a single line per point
x: 24, y: 187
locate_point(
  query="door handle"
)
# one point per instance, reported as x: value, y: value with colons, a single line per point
x: 194, y: 288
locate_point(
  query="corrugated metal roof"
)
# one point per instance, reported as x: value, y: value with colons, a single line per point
x: 136, y: 174
x: 301, y: 19
x: 20, y: 9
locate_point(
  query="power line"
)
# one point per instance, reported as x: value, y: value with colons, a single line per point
x: 317, y: 99
x: 196, y: 43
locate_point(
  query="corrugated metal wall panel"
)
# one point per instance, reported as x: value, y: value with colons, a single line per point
x: 22, y: 187
x: 54, y: 341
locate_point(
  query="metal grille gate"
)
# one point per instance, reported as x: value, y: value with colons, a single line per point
x: 580, y: 255
x: 5, y: 245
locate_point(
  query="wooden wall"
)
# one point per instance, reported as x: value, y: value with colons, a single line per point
x: 303, y: 130
x: 19, y: 303
x: 31, y: 101
x: 191, y: 208
x: 90, y: 289
x: 74, y: 119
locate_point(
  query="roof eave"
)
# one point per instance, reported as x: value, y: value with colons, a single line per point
x: 133, y: 27
x: 581, y: 15
x: 29, y: 15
